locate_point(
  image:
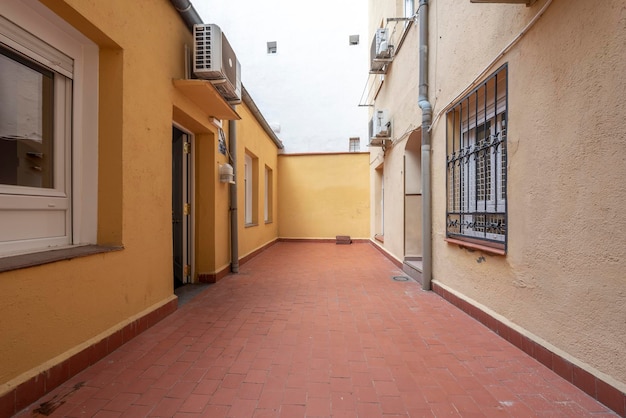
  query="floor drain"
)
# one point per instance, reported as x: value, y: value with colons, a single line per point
x: 400, y: 278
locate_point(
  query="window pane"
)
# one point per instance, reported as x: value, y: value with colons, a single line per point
x: 26, y: 114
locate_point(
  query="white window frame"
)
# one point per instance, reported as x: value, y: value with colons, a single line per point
x: 495, y: 197
x: 409, y: 8
x: 269, y: 194
x: 74, y: 60
x: 248, y: 186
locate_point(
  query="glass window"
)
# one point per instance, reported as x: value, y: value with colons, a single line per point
x: 26, y: 121
x: 39, y: 209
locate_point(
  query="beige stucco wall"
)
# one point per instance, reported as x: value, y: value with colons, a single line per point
x: 323, y: 195
x: 52, y: 310
x: 562, y: 277
x: 399, y: 96
x: 561, y: 281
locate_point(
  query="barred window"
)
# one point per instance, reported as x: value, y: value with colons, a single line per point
x: 476, y: 165
x: 355, y: 144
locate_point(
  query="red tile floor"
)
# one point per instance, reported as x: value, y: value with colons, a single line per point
x: 317, y: 330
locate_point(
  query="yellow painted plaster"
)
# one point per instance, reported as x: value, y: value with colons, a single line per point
x: 324, y: 195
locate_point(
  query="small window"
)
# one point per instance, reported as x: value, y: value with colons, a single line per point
x: 269, y: 194
x: 353, y: 40
x: 355, y: 144
x: 251, y: 186
x: 271, y: 47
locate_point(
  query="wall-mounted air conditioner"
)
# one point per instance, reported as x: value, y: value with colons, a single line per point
x: 380, y: 127
x: 215, y: 60
x: 381, y: 51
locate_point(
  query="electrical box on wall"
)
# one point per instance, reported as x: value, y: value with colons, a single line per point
x: 227, y: 174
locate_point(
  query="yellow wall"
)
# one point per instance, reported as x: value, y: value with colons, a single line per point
x: 251, y: 138
x: 50, y: 311
x: 324, y: 195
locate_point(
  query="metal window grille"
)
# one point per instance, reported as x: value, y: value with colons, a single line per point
x: 476, y: 164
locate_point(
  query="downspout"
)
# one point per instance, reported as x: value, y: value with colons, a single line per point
x: 427, y: 114
x: 234, y: 233
x: 191, y: 17
x: 187, y: 12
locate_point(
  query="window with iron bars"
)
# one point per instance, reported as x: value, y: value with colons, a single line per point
x: 355, y: 145
x: 476, y: 165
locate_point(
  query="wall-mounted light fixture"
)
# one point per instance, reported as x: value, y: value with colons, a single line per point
x: 227, y: 174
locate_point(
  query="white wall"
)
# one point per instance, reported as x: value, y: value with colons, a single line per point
x: 311, y: 87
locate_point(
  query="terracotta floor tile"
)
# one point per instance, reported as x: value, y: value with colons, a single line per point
x: 292, y: 411
x: 316, y: 329
x: 122, y: 402
x: 195, y: 403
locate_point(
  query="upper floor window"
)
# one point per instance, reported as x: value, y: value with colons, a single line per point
x: 355, y: 145
x: 476, y: 164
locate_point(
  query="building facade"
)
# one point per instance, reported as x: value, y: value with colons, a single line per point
x: 299, y: 62
x: 111, y: 191
x: 523, y: 190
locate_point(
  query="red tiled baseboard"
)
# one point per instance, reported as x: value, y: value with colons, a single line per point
x: 216, y: 277
x: 213, y: 277
x: 31, y: 390
x: 320, y: 240
x: 588, y: 383
x: 398, y: 263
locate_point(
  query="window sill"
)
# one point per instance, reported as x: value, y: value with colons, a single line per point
x: 476, y: 246
x: 15, y: 262
x: 251, y: 225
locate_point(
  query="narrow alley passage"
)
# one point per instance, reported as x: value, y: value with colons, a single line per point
x: 317, y: 330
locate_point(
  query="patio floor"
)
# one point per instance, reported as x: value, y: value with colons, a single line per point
x: 317, y: 330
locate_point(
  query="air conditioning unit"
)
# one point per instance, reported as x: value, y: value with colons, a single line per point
x: 380, y: 128
x: 381, y: 51
x: 215, y: 60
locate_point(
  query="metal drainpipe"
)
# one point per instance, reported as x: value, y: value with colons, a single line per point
x: 191, y: 17
x: 187, y: 12
x: 234, y: 233
x: 427, y: 114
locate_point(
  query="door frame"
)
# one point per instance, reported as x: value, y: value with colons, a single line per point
x: 188, y: 196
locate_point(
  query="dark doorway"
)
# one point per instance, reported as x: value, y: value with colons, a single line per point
x: 180, y: 206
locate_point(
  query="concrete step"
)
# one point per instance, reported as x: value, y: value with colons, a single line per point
x: 413, y: 267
